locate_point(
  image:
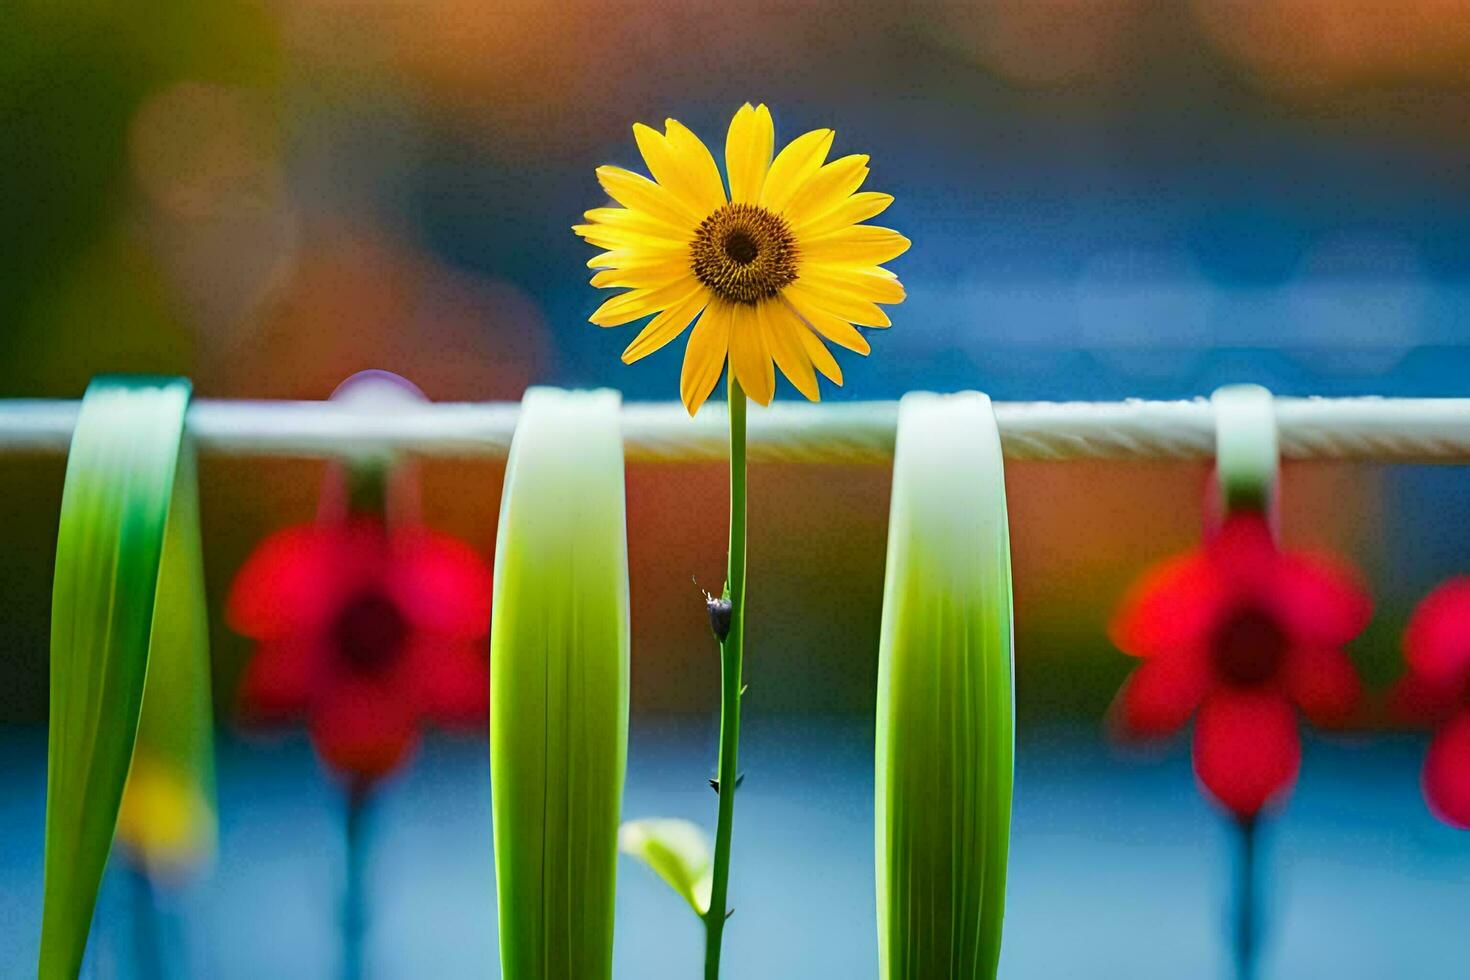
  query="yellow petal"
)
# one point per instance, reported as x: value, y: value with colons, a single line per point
x: 748, y: 148
x: 643, y: 276
x: 635, y: 258
x: 662, y: 163
x: 783, y: 329
x: 607, y: 236
x: 857, y: 245
x: 828, y: 187
x: 681, y: 164
x: 638, y: 221
x: 829, y: 325
x: 863, y: 282
x: 821, y: 357
x: 807, y: 296
x: 798, y: 161
x: 637, y: 192
x: 750, y: 358
x: 859, y: 207
x: 704, y: 358
x: 637, y: 303
x: 667, y: 325
x: 620, y: 309
x: 700, y: 169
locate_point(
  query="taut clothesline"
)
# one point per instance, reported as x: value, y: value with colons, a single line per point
x: 1389, y: 430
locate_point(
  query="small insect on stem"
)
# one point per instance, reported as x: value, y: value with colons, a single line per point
x: 720, y: 611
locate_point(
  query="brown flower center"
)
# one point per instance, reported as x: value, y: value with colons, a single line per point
x: 1249, y: 647
x: 368, y: 634
x: 744, y: 253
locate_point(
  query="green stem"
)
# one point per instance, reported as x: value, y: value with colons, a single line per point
x: 730, y: 684
x: 354, y: 902
x: 147, y: 927
x: 1247, y: 923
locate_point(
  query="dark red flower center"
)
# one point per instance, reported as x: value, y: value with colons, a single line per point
x: 1249, y: 647
x: 369, y: 633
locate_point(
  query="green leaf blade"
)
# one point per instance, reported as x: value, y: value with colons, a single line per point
x: 167, y: 820
x: 678, y: 851
x: 559, y: 686
x: 118, y: 504
x: 944, y: 757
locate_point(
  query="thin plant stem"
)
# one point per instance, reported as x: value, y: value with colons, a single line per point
x: 148, y: 956
x: 354, y: 906
x: 1246, y: 919
x: 731, y: 651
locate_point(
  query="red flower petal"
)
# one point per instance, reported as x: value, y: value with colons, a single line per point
x: 1244, y: 550
x: 453, y: 681
x: 1446, y: 776
x: 1246, y: 748
x: 442, y: 584
x: 1170, y: 607
x: 1321, y: 600
x: 1418, y: 699
x: 285, y: 585
x: 278, y: 680
x: 362, y: 729
x: 1160, y: 695
x: 1323, y: 683
x: 1437, y: 641
x: 365, y: 549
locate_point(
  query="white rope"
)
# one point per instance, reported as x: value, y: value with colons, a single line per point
x: 1398, y: 430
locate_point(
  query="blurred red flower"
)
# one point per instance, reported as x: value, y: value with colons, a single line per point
x: 1437, y: 690
x: 365, y: 630
x: 1240, y: 630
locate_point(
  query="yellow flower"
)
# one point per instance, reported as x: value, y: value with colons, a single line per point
x: 772, y: 270
x: 164, y: 822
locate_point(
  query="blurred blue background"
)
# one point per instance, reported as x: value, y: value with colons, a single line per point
x: 1107, y: 198
x: 1117, y: 870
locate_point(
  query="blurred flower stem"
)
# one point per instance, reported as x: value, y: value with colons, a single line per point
x: 731, y: 654
x: 354, y: 904
x: 1247, y: 922
x: 148, y: 942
